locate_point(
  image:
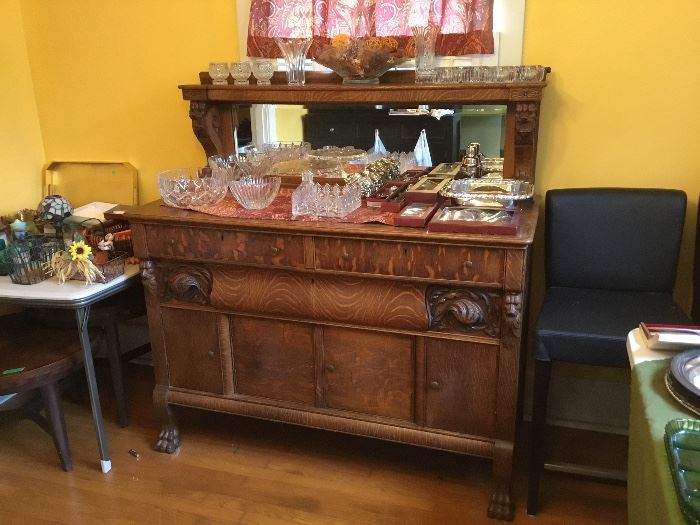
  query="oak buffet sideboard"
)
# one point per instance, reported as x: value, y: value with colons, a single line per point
x: 368, y: 329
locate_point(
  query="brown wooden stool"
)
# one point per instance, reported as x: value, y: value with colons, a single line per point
x: 35, y: 357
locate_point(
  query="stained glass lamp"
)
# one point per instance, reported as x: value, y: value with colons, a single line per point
x: 54, y: 209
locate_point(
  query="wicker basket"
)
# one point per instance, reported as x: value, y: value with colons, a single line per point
x: 110, y: 270
x: 121, y: 236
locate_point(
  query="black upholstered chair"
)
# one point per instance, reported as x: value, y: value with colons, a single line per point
x: 610, y: 263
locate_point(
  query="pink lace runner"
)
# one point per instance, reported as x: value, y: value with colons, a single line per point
x: 281, y: 210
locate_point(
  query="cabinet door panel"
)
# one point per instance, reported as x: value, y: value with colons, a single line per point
x: 369, y: 372
x: 273, y: 359
x: 192, y: 348
x: 461, y: 386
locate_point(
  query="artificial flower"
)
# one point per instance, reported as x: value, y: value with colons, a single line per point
x: 80, y: 251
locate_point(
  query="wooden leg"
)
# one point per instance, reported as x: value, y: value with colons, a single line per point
x: 169, y: 437
x: 543, y: 370
x: 116, y: 369
x: 54, y: 413
x: 501, y: 505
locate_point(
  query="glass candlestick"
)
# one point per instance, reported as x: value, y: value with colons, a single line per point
x: 294, y: 52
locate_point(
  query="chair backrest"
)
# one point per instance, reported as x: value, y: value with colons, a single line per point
x: 614, y: 238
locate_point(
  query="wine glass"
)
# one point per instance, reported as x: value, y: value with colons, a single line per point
x: 218, y: 71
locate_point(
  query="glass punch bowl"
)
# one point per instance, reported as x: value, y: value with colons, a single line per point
x: 192, y: 187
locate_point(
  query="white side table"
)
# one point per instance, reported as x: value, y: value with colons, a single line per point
x: 77, y: 296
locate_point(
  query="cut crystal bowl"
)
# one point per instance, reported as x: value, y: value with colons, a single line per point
x: 255, y: 192
x: 191, y: 187
x: 361, y: 60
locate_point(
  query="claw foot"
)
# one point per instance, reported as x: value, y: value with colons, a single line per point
x: 500, y: 506
x: 168, y: 440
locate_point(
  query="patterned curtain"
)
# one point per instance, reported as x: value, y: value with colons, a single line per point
x: 466, y: 26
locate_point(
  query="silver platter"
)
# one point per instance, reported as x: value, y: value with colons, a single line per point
x: 488, y: 191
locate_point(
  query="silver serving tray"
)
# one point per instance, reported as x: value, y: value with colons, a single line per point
x: 487, y: 191
x: 685, y: 368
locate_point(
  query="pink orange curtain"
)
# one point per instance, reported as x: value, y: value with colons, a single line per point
x: 466, y: 26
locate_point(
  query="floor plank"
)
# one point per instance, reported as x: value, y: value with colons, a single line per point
x: 234, y: 470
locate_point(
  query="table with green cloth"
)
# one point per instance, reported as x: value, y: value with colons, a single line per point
x: 651, y: 496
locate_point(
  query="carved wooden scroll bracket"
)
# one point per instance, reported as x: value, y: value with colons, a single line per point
x: 463, y: 310
x: 189, y: 283
x: 206, y: 124
x: 513, y: 306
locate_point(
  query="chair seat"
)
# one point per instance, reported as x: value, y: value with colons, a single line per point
x: 45, y: 354
x: 590, y: 327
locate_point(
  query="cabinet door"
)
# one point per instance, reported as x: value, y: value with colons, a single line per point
x: 461, y: 386
x: 368, y: 372
x: 273, y: 359
x: 193, y: 349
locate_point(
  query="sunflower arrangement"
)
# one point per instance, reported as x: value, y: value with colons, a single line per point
x: 78, y: 258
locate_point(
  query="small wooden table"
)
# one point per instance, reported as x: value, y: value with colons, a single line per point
x: 77, y: 296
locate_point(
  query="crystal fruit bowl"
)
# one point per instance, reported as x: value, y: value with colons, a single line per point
x: 360, y: 60
x: 255, y: 192
x: 191, y: 187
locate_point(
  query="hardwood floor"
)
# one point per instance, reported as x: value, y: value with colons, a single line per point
x: 233, y: 470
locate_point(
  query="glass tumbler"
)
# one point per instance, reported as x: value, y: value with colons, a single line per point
x: 294, y: 51
x: 240, y: 71
x: 218, y: 71
x: 263, y: 69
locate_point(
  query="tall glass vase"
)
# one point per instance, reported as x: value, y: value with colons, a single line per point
x: 425, y: 51
x: 294, y: 51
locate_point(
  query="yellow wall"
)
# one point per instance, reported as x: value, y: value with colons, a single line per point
x: 622, y: 107
x: 106, y: 77
x: 21, y: 150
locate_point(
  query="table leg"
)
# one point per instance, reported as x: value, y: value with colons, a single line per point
x: 82, y: 315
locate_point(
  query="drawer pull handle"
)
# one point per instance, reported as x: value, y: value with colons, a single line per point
x: 434, y: 385
x: 346, y: 256
x: 172, y: 242
x: 275, y: 250
x: 468, y: 264
x: 330, y: 368
x: 210, y: 353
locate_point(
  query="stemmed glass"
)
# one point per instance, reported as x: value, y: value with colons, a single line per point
x: 218, y: 71
x: 240, y: 71
x: 263, y: 69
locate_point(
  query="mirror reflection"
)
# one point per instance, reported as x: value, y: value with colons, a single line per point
x: 449, y: 129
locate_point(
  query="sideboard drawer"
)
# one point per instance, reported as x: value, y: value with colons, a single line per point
x: 430, y: 261
x: 226, y: 246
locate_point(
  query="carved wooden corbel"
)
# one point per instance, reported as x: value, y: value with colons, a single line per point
x: 206, y: 126
x: 148, y: 276
x: 463, y: 310
x: 513, y: 309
